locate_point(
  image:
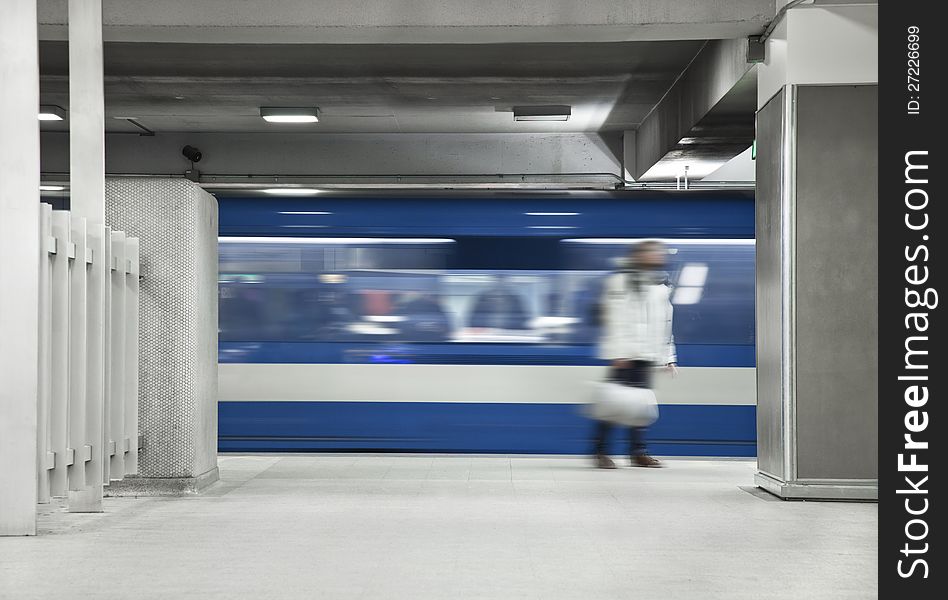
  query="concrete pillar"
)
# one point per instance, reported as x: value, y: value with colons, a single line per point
x: 87, y: 199
x: 19, y: 265
x: 176, y: 222
x: 817, y: 283
x: 86, y: 112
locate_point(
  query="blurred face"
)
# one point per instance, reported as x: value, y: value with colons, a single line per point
x: 650, y: 257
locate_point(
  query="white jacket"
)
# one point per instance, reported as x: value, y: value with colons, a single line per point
x: 636, y: 325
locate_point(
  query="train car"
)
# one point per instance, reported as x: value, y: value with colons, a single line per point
x: 461, y: 322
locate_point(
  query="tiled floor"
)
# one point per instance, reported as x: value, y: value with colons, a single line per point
x: 438, y: 527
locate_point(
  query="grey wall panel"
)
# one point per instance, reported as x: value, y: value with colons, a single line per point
x: 770, y: 438
x: 836, y: 281
x: 177, y: 224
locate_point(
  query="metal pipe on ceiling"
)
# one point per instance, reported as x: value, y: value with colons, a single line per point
x: 778, y: 17
x: 523, y: 181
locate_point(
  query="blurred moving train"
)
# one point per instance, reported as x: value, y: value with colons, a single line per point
x: 465, y: 322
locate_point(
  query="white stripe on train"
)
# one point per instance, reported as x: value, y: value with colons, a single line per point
x: 468, y: 383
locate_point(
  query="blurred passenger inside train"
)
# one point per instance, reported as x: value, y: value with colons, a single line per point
x: 555, y: 304
x: 335, y: 312
x: 636, y: 337
x: 499, y: 307
x: 425, y: 320
x: 588, y: 316
x: 247, y: 303
x: 376, y: 302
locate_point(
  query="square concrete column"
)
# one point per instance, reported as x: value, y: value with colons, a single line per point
x: 19, y: 266
x: 817, y: 292
x: 176, y: 222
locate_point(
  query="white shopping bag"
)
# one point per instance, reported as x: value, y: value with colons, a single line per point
x: 623, y: 404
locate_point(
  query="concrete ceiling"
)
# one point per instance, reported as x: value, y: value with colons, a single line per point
x: 416, y: 21
x: 376, y: 88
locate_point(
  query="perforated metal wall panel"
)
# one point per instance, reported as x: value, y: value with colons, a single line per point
x: 177, y: 223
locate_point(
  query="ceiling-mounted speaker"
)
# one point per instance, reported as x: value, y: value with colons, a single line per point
x: 756, y: 49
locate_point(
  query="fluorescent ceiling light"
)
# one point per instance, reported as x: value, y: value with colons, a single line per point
x: 550, y: 227
x: 304, y: 212
x: 355, y: 241
x: 51, y: 112
x: 52, y: 188
x: 272, y: 114
x: 668, y: 169
x: 291, y: 191
x: 554, y: 112
x: 552, y: 214
x: 667, y: 241
x: 307, y: 226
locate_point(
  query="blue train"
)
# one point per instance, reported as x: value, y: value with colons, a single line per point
x: 460, y: 322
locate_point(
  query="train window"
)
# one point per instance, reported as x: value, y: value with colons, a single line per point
x: 690, y: 284
x: 379, y: 298
x: 713, y: 281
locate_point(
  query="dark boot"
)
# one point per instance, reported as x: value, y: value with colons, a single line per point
x: 604, y: 462
x: 644, y: 460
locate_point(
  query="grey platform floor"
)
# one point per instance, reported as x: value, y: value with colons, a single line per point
x: 439, y: 527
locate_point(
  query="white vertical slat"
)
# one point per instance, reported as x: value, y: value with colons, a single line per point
x: 47, y: 249
x: 117, y: 387
x: 131, y: 356
x: 78, y: 355
x: 60, y: 371
x: 105, y: 381
x: 89, y: 498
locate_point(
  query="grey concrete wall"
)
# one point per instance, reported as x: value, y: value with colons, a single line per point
x: 176, y: 222
x: 350, y: 154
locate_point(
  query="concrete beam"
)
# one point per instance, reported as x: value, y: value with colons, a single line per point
x: 706, y: 118
x: 418, y: 21
x: 350, y: 154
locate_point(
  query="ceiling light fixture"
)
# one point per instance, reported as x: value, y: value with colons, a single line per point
x: 552, y: 214
x: 354, y: 241
x: 51, y: 112
x: 669, y: 241
x: 52, y: 188
x: 553, y: 112
x: 306, y: 114
x: 291, y: 191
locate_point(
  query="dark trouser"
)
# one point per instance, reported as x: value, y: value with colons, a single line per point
x: 638, y: 373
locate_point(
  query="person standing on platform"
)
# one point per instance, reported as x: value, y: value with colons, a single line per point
x: 636, y: 338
